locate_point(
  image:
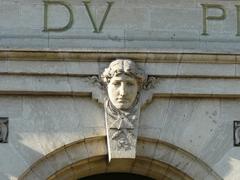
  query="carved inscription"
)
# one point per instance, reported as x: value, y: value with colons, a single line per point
x: 71, y: 16
x: 206, y: 19
x: 59, y: 29
x: 97, y: 29
x: 3, y: 130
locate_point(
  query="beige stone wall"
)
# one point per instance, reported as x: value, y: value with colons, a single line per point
x: 51, y: 103
x: 144, y: 24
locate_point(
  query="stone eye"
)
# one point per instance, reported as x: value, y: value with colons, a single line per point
x: 130, y: 84
x: 116, y: 83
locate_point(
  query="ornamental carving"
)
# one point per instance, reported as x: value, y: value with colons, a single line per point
x: 3, y: 130
x: 236, y: 135
x: 123, y: 81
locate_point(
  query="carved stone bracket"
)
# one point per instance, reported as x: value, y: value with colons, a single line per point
x: 148, y: 89
x: 98, y: 89
x: 123, y: 89
x: 3, y: 130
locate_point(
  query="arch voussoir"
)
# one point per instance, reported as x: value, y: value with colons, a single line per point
x: 155, y: 158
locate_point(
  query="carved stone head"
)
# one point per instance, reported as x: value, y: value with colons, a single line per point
x: 123, y: 81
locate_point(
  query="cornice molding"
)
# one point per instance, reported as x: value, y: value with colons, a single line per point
x: 109, y: 55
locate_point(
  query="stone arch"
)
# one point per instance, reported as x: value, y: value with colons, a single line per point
x: 155, y: 159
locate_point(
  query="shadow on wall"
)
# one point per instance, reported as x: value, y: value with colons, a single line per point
x: 230, y: 163
x: 22, y: 156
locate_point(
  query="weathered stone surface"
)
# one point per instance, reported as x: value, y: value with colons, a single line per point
x: 49, y: 106
x: 159, y: 25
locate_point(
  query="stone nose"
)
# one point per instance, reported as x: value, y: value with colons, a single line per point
x: 122, y: 89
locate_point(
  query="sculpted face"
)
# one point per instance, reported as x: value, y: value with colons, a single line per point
x: 122, y: 90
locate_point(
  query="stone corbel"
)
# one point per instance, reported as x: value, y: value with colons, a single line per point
x: 122, y: 116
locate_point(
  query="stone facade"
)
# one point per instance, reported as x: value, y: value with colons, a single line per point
x: 55, y: 111
x: 52, y: 103
x: 146, y: 24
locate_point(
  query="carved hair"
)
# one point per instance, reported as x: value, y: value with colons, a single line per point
x: 125, y: 66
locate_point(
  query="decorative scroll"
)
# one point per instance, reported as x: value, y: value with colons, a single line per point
x: 3, y: 130
x: 236, y: 134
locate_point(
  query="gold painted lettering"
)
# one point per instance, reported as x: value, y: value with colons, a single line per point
x: 206, y: 7
x: 97, y: 29
x: 59, y: 29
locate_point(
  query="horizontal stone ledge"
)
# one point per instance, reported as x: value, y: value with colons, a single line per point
x: 106, y: 55
x: 80, y: 94
x: 63, y: 68
x: 83, y: 86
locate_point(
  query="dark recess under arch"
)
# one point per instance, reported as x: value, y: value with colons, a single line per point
x: 112, y: 176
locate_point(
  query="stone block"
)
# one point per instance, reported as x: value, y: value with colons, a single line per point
x: 85, y: 38
x: 12, y: 162
x: 32, y: 176
x: 164, y: 69
x: 96, y: 147
x: 59, y: 160
x: 94, y: 131
x: 156, y: 172
x: 124, y: 18
x: 10, y: 14
x: 149, y: 132
x: 11, y: 107
x: 227, y: 167
x: 37, y: 67
x: 77, y: 152
x: 221, y: 70
x: 22, y: 42
x: 43, y: 169
x: 50, y: 84
x: 3, y: 66
x: 49, y: 146
x: 82, y: 169
x: 145, y: 148
x: 31, y: 16
x: 26, y: 144
x: 137, y: 166
x: 98, y: 165
x: 123, y: 165
x: 70, y: 175
x: 237, y: 69
x: 85, y: 68
x: 220, y: 141
x: 162, y: 3
x: 181, y: 19
x: 164, y: 153
x: 198, y: 171
x: 153, y: 115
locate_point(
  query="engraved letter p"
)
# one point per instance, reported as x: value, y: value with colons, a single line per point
x: 206, y: 17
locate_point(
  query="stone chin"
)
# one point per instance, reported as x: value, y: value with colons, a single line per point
x: 122, y: 105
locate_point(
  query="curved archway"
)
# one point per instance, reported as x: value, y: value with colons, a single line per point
x: 155, y: 159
